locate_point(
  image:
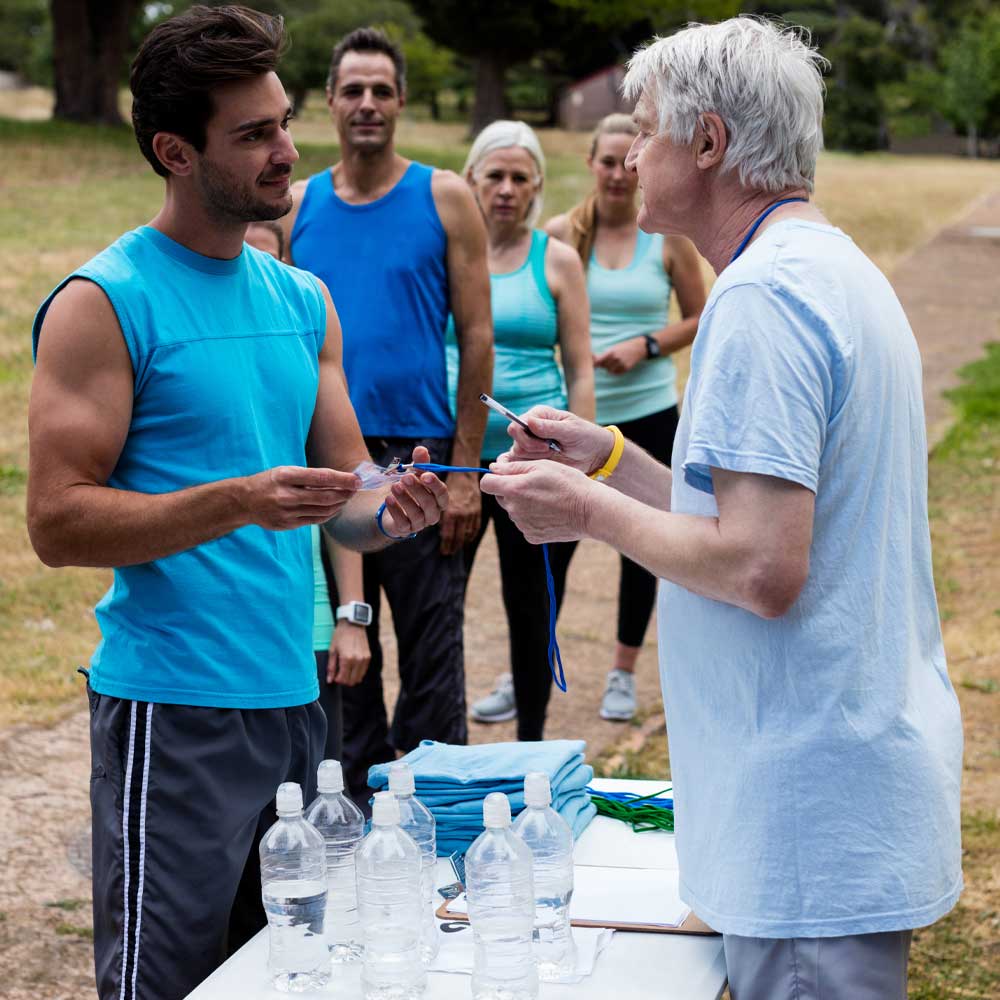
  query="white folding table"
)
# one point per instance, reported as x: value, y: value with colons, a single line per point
x: 634, y: 965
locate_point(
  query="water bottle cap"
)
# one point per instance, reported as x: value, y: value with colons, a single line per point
x: 289, y: 798
x: 401, y: 781
x: 496, y: 811
x: 385, y: 809
x: 537, y: 791
x: 330, y: 776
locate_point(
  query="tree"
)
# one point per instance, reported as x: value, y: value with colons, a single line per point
x: 90, y: 42
x: 972, y: 76
x: 24, y: 38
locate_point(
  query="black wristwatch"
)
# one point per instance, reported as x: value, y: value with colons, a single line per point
x: 652, y: 346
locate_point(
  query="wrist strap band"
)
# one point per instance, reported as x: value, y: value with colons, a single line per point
x: 617, y: 450
x: 395, y: 538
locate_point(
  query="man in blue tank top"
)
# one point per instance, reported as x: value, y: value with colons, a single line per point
x: 400, y: 245
x: 189, y: 420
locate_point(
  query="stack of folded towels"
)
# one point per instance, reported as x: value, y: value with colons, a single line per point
x: 452, y: 782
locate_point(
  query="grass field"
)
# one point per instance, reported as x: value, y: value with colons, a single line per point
x: 66, y: 192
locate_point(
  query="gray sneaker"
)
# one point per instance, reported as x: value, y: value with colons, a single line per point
x: 618, y: 703
x: 499, y: 704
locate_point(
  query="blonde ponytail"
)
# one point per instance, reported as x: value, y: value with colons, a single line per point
x: 583, y: 216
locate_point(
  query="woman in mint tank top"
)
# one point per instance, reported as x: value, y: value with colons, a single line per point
x: 630, y: 275
x: 539, y: 303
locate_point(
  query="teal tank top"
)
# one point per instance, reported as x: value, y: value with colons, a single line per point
x: 525, y: 334
x: 226, y: 370
x: 626, y: 303
x: 322, y: 612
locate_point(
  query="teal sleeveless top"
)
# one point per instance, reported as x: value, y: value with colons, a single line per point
x: 322, y: 612
x: 525, y: 334
x: 225, y: 356
x: 625, y: 303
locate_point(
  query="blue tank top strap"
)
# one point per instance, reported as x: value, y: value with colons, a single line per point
x: 539, y: 244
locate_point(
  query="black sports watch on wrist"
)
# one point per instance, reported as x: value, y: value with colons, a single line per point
x: 652, y: 346
x: 356, y: 612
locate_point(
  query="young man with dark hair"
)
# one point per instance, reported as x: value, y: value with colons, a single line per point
x: 401, y: 245
x: 182, y: 380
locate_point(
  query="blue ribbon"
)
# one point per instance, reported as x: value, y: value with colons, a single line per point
x: 554, y: 656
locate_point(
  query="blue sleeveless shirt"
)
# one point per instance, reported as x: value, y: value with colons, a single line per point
x: 385, y: 264
x: 225, y: 361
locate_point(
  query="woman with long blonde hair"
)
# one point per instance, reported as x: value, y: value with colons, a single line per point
x: 630, y: 278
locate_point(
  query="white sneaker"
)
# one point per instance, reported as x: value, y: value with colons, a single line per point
x: 499, y: 705
x: 618, y: 704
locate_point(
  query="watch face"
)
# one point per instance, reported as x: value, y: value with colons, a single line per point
x: 361, y: 614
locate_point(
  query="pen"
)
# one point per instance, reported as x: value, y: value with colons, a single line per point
x: 504, y: 412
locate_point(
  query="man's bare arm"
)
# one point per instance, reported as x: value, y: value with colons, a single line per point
x: 469, y: 283
x: 287, y: 222
x: 78, y: 419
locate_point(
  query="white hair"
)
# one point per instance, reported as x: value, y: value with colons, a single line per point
x: 504, y: 135
x: 764, y: 80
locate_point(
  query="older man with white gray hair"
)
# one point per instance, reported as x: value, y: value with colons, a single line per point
x: 815, y: 738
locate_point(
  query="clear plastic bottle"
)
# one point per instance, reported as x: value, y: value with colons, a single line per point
x: 551, y: 842
x: 501, y: 896
x: 341, y: 823
x: 293, y: 888
x: 390, y: 903
x: 418, y: 821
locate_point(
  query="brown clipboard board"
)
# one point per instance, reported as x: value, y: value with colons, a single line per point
x: 690, y: 925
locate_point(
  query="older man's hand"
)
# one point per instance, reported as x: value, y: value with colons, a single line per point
x: 585, y: 446
x: 547, y: 501
x: 416, y: 501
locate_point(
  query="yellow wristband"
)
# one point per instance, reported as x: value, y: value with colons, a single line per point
x: 617, y: 449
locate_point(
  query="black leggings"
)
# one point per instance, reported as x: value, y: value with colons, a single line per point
x: 637, y: 586
x: 525, y: 598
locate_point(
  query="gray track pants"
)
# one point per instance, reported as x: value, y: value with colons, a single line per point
x: 856, y: 967
x: 180, y: 797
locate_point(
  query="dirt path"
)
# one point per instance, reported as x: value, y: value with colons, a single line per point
x: 950, y: 290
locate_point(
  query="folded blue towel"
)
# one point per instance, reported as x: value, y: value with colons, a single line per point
x: 440, y: 768
x: 445, y: 808
x: 578, y: 811
x: 452, y: 782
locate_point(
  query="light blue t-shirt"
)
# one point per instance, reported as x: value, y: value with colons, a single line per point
x: 816, y: 757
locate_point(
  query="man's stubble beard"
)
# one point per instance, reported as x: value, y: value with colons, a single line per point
x: 229, y: 202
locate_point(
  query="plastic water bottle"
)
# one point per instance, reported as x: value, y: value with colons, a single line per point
x: 341, y: 823
x: 390, y: 903
x: 293, y: 887
x: 418, y: 821
x: 501, y: 908
x: 550, y: 840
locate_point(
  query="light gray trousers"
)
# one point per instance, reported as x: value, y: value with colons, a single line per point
x: 856, y: 967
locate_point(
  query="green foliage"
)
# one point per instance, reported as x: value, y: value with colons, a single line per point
x: 971, y: 63
x: 26, y: 39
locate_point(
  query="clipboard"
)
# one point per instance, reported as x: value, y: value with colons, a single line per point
x: 690, y: 925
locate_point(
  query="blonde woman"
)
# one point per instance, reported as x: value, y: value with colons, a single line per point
x: 630, y: 277
x: 539, y: 303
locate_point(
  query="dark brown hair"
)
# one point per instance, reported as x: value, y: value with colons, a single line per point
x: 274, y: 227
x: 183, y: 59
x: 583, y: 216
x: 368, y: 40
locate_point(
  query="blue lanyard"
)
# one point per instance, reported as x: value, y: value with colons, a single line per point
x: 760, y: 218
x: 554, y: 656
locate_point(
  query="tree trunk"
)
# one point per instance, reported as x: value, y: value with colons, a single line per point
x: 972, y: 141
x: 90, y: 39
x: 490, y: 103
x: 434, y: 105
x: 298, y: 98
